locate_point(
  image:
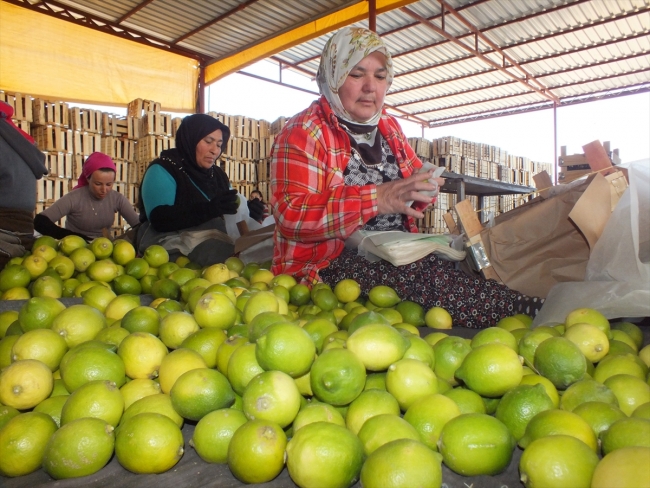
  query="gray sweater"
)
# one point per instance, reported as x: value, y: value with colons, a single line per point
x: 87, y: 215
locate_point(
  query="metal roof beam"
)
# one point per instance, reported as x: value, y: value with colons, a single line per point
x: 408, y: 26
x: 216, y: 20
x: 134, y: 11
x: 624, y: 38
x: 543, y: 91
x: 509, y: 82
x: 550, y: 35
x: 534, y: 107
x: 512, y: 95
x: 316, y: 28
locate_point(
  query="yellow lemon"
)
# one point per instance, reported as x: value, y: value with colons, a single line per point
x: 176, y: 363
x: 80, y: 448
x: 623, y: 467
x: 475, y: 444
x: 324, y: 454
x: 200, y: 391
x: 23, y: 440
x: 272, y: 396
x: 98, y: 399
x: 557, y: 460
x: 429, y: 414
x: 24, y: 384
x: 403, y: 462
x: 149, y: 443
x: 213, y: 433
x: 256, y: 451
x: 384, y: 428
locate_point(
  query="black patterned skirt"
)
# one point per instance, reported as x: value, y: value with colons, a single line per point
x: 435, y: 282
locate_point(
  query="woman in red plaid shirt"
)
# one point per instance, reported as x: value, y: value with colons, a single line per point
x: 342, y: 165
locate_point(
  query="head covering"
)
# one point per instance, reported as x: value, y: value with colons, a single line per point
x: 343, y: 51
x: 6, y: 111
x: 193, y: 128
x: 94, y: 162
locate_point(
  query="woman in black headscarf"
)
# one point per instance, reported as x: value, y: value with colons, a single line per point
x: 184, y: 195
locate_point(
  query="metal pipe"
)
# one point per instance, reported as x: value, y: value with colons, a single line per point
x: 555, y: 143
x: 372, y: 15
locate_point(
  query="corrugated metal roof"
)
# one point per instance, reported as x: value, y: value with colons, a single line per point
x: 530, y: 52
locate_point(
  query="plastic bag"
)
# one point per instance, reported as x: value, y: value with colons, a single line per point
x: 244, y: 215
x: 617, y: 279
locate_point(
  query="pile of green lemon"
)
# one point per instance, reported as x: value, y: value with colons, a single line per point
x: 335, y: 386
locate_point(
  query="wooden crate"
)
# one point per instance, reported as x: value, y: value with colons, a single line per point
x: 278, y: 124
x: 22, y: 105
x: 469, y: 166
x: 167, y: 126
x: 264, y: 128
x: 151, y: 124
x: 132, y: 127
x: 150, y: 147
x: 45, y: 112
x: 113, y: 147
x: 266, y: 143
x: 176, y: 123
x: 114, y: 125
x: 59, y: 164
x: 421, y: 146
x: 137, y: 108
x: 53, y: 138
x: 45, y: 189
x: 77, y: 166
x: 263, y: 170
x: 239, y: 171
x: 86, y: 143
x: 121, y: 170
x: 61, y: 187
x: 133, y: 194
x: 85, y: 120
x: 264, y: 188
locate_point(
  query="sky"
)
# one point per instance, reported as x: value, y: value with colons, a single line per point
x: 624, y: 121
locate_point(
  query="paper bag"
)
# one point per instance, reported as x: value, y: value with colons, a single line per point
x: 538, y: 245
x: 617, y: 278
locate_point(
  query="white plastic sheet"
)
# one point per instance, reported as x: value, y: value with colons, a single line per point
x: 617, y: 279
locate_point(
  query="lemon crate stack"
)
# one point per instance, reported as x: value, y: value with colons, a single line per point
x: 480, y: 161
x: 246, y: 159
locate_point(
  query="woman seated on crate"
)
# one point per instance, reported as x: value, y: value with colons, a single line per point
x: 342, y: 165
x: 90, y: 208
x: 184, y: 195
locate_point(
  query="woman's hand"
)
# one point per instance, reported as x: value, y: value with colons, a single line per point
x: 392, y: 197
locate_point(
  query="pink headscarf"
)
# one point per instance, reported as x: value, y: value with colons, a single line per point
x: 94, y: 162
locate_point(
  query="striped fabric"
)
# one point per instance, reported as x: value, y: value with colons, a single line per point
x: 314, y: 210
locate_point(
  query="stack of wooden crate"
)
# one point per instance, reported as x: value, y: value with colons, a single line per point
x: 574, y: 166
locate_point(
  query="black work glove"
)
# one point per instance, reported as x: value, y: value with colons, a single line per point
x: 256, y: 209
x: 225, y: 203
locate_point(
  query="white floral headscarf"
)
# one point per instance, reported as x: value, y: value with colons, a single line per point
x: 343, y: 51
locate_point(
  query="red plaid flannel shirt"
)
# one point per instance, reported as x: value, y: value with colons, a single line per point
x: 315, y: 212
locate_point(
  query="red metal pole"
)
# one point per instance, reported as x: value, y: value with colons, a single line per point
x: 555, y: 143
x: 200, y: 88
x: 372, y: 15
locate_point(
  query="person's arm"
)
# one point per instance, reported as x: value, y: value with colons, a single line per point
x: 44, y: 222
x: 43, y: 225
x: 125, y: 209
x: 159, y: 195
x: 310, y: 197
